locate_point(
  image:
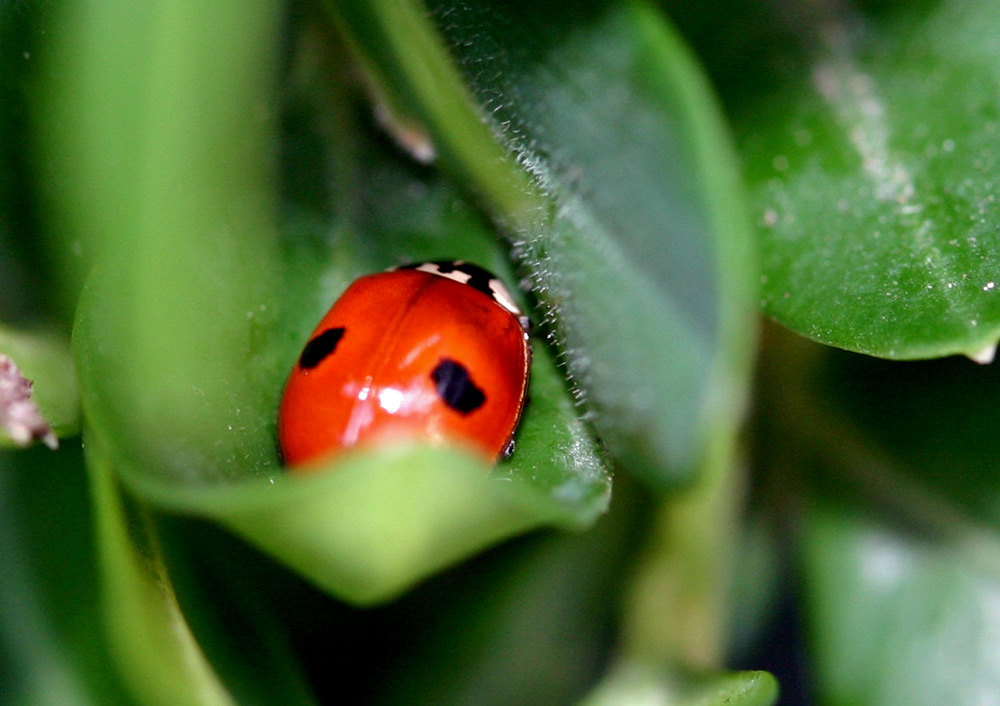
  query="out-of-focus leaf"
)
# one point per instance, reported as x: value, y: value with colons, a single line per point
x: 897, y: 615
x: 528, y: 623
x: 147, y: 147
x: 617, y: 185
x: 872, y: 152
x: 25, y: 284
x: 676, y: 604
x: 920, y: 434
x: 902, y: 601
x: 51, y: 643
x: 639, y: 684
x: 162, y: 659
x: 152, y: 645
x: 891, y: 467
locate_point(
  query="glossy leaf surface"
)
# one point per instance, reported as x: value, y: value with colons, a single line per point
x: 618, y: 188
x: 872, y: 157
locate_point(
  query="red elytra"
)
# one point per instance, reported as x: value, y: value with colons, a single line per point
x: 435, y: 351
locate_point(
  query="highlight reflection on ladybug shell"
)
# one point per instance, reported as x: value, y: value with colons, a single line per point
x: 436, y: 351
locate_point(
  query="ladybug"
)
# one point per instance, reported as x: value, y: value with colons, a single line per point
x: 437, y: 351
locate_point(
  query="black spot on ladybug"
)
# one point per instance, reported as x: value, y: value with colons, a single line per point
x: 320, y: 347
x: 456, y: 388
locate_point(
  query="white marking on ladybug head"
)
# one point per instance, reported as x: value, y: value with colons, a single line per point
x: 502, y: 296
x: 475, y: 276
x: 456, y: 274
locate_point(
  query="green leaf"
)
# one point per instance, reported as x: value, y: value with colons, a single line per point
x: 25, y: 270
x: 184, y: 336
x: 902, y: 565
x: 52, y: 646
x: 526, y: 623
x: 891, y: 467
x: 872, y: 157
x: 617, y: 186
x: 900, y: 616
x: 638, y: 684
x: 155, y: 651
x: 377, y: 521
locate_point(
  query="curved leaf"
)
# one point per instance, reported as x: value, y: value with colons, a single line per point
x: 52, y: 649
x: 156, y: 647
x: 526, y: 623
x: 184, y: 335
x: 152, y: 644
x: 873, y: 166
x: 378, y: 520
x: 618, y: 188
x: 375, y: 522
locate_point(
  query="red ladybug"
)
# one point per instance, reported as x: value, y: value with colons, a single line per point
x: 437, y: 351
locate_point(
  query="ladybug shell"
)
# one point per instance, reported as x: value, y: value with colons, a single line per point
x: 407, y: 353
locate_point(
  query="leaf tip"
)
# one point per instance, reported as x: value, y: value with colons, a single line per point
x: 985, y: 355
